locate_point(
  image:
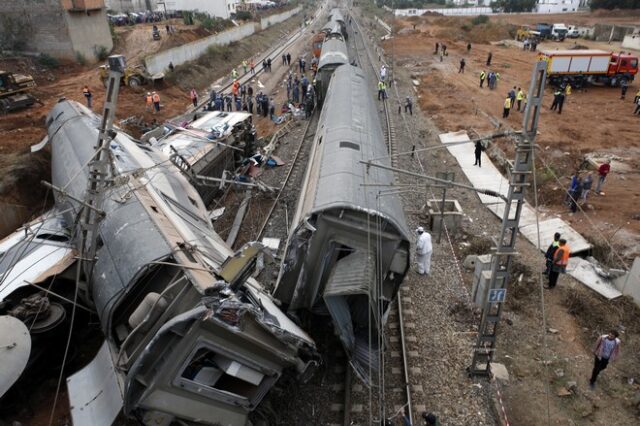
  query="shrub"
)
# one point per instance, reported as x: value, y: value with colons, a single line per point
x: 81, y: 59
x: 244, y: 15
x: 101, y: 52
x: 48, y: 61
x: 480, y: 19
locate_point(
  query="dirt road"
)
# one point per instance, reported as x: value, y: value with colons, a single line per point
x: 594, y: 121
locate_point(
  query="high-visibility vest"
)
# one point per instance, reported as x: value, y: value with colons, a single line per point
x: 507, y: 103
x: 566, y: 252
x: 520, y: 95
x: 156, y: 98
x: 567, y: 90
x: 482, y: 75
x: 381, y: 86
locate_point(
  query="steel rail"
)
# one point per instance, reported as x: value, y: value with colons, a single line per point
x: 394, y: 158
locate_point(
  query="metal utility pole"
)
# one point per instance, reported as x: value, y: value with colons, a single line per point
x: 99, y: 168
x: 505, y: 250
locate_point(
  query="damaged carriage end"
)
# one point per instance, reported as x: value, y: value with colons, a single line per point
x: 189, y: 336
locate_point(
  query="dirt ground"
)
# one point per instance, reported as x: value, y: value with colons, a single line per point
x: 541, y: 362
x: 594, y: 121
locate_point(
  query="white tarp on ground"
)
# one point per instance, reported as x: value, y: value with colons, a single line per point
x: 489, y: 177
x: 585, y: 272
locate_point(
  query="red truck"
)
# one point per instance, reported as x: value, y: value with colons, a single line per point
x: 587, y: 66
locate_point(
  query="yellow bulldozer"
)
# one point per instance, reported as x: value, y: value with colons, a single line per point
x: 14, y: 91
x: 134, y: 76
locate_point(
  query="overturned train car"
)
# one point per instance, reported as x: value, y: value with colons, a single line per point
x: 190, y: 337
x: 348, y: 250
x: 334, y: 54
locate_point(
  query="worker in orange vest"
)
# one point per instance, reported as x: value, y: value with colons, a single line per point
x: 149, y: 102
x: 156, y: 102
x: 87, y: 95
x: 235, y: 87
x: 560, y: 262
x: 194, y: 97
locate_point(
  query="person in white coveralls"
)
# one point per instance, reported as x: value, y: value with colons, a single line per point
x: 423, y: 251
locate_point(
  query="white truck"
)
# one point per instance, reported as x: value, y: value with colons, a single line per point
x: 573, y: 32
x: 559, y: 32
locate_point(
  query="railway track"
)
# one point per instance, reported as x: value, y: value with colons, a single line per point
x: 391, y: 397
x: 286, y: 195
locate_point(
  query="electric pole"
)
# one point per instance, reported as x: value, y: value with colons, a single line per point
x: 519, y: 178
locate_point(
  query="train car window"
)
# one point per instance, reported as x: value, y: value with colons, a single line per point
x: 350, y: 145
x: 320, y: 140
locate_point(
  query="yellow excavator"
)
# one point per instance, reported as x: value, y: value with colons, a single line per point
x: 134, y: 76
x: 14, y: 91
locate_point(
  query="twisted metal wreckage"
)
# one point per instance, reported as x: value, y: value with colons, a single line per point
x: 189, y: 335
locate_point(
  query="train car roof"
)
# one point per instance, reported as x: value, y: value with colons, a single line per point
x: 351, y: 134
x: 334, y: 51
x: 336, y: 15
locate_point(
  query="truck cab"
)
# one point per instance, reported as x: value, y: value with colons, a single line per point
x: 544, y: 30
x: 623, y: 66
x: 559, y: 32
x: 573, y: 32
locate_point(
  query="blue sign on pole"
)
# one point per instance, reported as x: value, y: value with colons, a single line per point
x: 497, y: 295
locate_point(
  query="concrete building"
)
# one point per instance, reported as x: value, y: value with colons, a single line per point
x: 219, y: 8
x: 557, y: 6
x: 60, y: 28
x: 124, y: 6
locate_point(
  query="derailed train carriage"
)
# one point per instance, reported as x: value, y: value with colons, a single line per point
x: 334, y: 54
x: 190, y: 337
x: 348, y: 250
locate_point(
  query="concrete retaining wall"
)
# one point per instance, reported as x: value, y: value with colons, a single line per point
x: 55, y: 31
x: 629, y: 284
x: 606, y: 32
x: 159, y: 62
x: 275, y: 19
x: 192, y: 51
x: 631, y: 41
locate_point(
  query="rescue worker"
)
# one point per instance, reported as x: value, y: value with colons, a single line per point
x: 483, y: 77
x: 235, y: 88
x: 556, y: 99
x: 462, y: 64
x: 234, y: 74
x: 408, y: 105
x: 87, y: 95
x: 382, y: 91
x: 550, y: 252
x: 149, y: 102
x: 623, y: 88
x: 519, y: 97
x: 478, y: 153
x: 560, y: 262
x: 635, y: 99
x: 489, y: 59
x: 507, y: 107
x: 252, y: 65
x: 156, y: 101
x: 245, y: 65
x: 194, y: 97
x: 423, y: 251
x: 607, y: 348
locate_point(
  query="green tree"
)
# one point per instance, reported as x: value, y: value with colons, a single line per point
x: 615, y: 4
x: 514, y: 5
